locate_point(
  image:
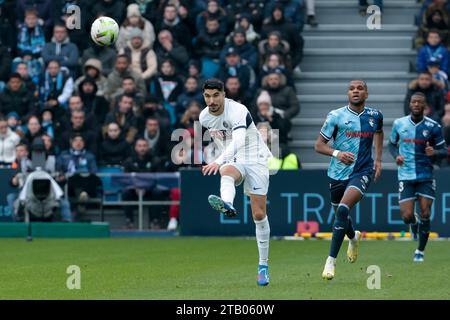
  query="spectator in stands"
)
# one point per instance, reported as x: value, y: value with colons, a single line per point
x: 45, y: 9
x: 153, y: 109
x: 435, y: 99
x: 55, y: 88
x: 234, y: 67
x: 32, y: 130
x: 247, y: 52
x: 135, y: 20
x: 432, y: 49
x: 244, y: 22
x: 17, y: 178
x: 265, y: 112
x: 143, y: 58
x: 435, y: 18
x: 91, y: 101
x: 121, y: 70
x: 288, y: 32
x: 142, y: 160
x: 123, y: 115
x: 292, y: 10
x: 49, y: 126
x: 195, y: 70
x: 76, y: 28
x: 50, y: 148
x: 177, y: 28
x: 92, y: 68
x: 191, y: 93
x: 213, y: 11
x: 17, y: 98
x: 76, y: 104
x: 254, y: 9
x: 105, y: 54
x: 274, y: 63
x: 208, y: 45
x: 233, y: 90
x: 438, y: 75
x: 168, y: 48
x: 35, y: 68
x: 62, y: 50
x: 167, y: 87
x: 30, y: 84
x: 78, y: 126
x: 13, y: 120
x: 77, y: 159
x: 275, y: 44
x: 109, y: 8
x: 31, y: 37
x: 8, y: 142
x: 191, y: 115
x: 284, y: 98
x: 129, y: 88
x: 158, y: 141
x: 114, y: 150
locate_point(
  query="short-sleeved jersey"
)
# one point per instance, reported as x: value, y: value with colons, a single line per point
x: 412, y: 139
x: 352, y: 132
x: 235, y: 116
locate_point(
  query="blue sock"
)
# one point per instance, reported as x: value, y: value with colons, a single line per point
x: 339, y: 229
x: 350, y: 229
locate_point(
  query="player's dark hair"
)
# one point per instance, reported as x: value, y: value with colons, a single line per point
x: 363, y: 82
x: 419, y: 94
x: 213, y: 84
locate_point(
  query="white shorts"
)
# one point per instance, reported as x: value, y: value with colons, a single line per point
x: 255, y: 177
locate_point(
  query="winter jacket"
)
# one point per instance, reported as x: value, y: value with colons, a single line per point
x: 143, y: 61
x: 61, y: 92
x: 114, y: 82
x: 100, y: 81
x: 66, y: 53
x: 23, y: 102
x: 106, y: 55
x: 8, y: 143
x: 427, y: 52
x: 209, y: 45
x: 113, y: 152
x: 149, y: 163
x: 247, y: 52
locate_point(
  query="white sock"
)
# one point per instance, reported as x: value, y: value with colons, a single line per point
x: 262, y: 239
x: 227, y: 189
x: 331, y: 260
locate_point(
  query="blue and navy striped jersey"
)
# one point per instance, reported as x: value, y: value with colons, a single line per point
x: 412, y: 139
x: 352, y: 132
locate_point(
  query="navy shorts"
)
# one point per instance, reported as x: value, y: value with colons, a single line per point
x: 338, y: 187
x: 411, y: 189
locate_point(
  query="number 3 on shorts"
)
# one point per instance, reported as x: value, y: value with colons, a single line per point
x: 400, y: 186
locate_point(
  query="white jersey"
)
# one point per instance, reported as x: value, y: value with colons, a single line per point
x: 235, y: 116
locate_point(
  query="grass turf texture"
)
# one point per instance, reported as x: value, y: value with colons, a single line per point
x: 215, y: 268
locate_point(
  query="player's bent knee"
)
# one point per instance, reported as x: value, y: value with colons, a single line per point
x: 259, y: 215
x: 408, y: 217
x: 230, y: 171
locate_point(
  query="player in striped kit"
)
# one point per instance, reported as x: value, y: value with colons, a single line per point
x: 415, y: 142
x: 353, y: 128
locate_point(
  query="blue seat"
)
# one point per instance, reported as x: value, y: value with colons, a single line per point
x: 110, y: 192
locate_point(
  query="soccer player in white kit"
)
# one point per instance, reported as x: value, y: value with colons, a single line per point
x: 243, y: 158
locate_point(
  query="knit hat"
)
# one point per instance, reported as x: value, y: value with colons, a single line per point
x: 264, y: 97
x: 133, y: 10
x: 135, y: 32
x: 13, y: 114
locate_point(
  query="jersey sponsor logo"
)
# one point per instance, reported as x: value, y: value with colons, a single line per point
x: 372, y: 112
x: 429, y: 124
x: 415, y: 141
x: 358, y: 134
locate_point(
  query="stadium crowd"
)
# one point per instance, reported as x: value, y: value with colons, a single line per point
x: 101, y: 107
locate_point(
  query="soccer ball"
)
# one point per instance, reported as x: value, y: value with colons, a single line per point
x: 104, y: 31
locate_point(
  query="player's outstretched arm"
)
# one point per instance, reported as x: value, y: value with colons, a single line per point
x: 321, y: 146
x: 378, y: 139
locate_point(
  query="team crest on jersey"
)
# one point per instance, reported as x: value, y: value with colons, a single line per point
x: 425, y: 133
x: 225, y: 124
x: 371, y: 122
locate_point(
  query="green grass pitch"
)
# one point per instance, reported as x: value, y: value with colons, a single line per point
x: 215, y: 268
